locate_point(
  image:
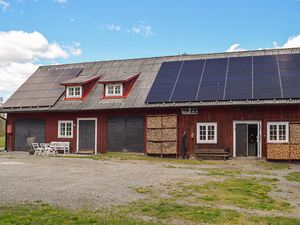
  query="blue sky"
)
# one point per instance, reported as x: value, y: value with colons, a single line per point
x: 76, y: 31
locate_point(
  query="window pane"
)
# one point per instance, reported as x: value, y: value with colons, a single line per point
x: 273, y: 132
x: 71, y: 91
x: 62, y: 129
x: 110, y: 89
x: 69, y: 129
x: 77, y: 91
x: 118, y: 89
x: 202, y: 133
x: 282, y: 132
x: 211, y: 133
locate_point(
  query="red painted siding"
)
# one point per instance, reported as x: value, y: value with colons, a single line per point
x: 223, y: 115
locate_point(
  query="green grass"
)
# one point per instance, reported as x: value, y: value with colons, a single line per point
x: 232, y: 172
x: 165, y: 210
x: 275, y: 220
x: 45, y: 214
x: 293, y: 176
x: 161, y: 211
x: 135, y: 156
x: 245, y: 193
x: 2, y: 142
x: 274, y: 165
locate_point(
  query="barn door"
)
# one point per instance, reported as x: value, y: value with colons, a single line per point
x: 28, y: 128
x: 241, y: 138
x: 87, y: 134
x: 125, y: 133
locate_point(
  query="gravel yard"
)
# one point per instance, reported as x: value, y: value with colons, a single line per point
x: 240, y: 191
x: 76, y: 182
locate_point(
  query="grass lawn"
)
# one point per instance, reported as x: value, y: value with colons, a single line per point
x: 2, y: 142
x: 293, y: 176
x: 133, y: 156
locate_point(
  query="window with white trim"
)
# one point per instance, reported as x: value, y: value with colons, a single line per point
x: 278, y: 132
x: 206, y: 133
x: 65, y: 129
x: 74, y: 92
x: 114, y: 89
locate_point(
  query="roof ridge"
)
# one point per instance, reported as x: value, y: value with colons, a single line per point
x: 270, y: 51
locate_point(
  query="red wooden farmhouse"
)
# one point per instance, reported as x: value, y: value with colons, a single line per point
x: 247, y: 102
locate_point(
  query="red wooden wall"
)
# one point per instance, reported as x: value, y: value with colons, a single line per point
x: 223, y: 115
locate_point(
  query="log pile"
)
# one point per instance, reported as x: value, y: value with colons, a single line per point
x: 278, y: 151
x: 162, y: 134
x: 295, y: 133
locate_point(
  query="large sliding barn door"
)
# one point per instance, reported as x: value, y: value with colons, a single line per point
x: 125, y: 133
x: 28, y: 128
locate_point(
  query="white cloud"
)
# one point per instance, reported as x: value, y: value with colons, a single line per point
x: 4, y: 5
x: 235, y: 48
x: 140, y: 29
x: 61, y: 1
x: 20, y: 54
x: 292, y: 42
x: 113, y: 27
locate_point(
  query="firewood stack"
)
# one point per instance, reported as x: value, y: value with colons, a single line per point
x: 162, y: 134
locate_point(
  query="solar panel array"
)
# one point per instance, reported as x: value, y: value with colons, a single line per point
x: 42, y: 88
x: 225, y: 79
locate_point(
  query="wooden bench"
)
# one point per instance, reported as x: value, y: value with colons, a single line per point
x: 212, y: 153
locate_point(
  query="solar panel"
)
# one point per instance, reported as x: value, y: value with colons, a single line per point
x: 42, y: 88
x: 213, y: 80
x: 290, y: 75
x: 164, y: 82
x: 188, y: 81
x: 239, y: 79
x: 236, y: 78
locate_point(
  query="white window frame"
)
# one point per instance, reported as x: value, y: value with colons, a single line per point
x: 114, y: 94
x: 215, y: 140
x: 73, y: 96
x: 59, y: 128
x: 277, y: 132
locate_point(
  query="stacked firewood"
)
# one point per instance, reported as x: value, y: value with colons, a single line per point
x: 162, y: 134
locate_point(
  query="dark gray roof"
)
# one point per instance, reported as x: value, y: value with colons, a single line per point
x: 116, y: 77
x: 81, y: 80
x: 148, y: 69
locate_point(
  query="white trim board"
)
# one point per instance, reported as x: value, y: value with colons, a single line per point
x: 259, y: 134
x: 77, y: 136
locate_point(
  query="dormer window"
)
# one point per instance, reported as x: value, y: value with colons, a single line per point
x: 114, y: 90
x: 74, y: 92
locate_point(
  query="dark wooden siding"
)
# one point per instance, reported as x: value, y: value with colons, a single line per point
x: 126, y: 133
x: 26, y: 128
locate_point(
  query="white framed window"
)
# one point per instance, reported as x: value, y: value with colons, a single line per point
x: 206, y: 133
x: 65, y: 129
x: 74, y: 92
x: 114, y: 89
x: 278, y: 132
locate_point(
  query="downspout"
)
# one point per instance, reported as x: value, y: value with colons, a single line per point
x: 1, y: 117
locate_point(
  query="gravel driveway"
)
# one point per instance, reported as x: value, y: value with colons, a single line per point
x: 78, y: 182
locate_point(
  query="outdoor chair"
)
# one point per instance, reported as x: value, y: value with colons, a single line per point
x: 37, y: 149
x: 47, y: 150
x: 61, y: 146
